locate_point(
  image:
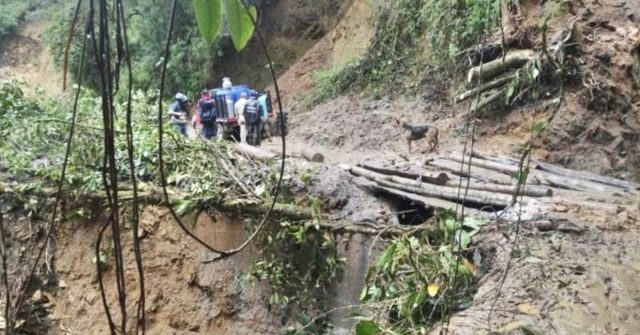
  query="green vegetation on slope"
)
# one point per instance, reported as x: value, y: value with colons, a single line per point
x: 412, y: 40
x: 11, y: 12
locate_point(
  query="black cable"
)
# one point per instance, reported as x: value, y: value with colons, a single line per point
x: 225, y: 253
x: 65, y: 65
x: 103, y: 295
x: 141, y: 317
x: 109, y: 175
x: 5, y: 279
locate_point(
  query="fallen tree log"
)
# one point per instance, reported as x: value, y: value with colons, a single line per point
x: 538, y: 177
x: 592, y: 177
x: 255, y: 152
x: 489, y: 100
x: 498, y: 159
x: 441, y: 178
x: 514, y: 59
x: 481, y: 198
x: 438, y: 178
x: 152, y: 195
x: 483, y: 88
x: 507, y: 169
x: 561, y: 171
x: 427, y: 202
x: 485, y: 175
x: 529, y: 190
x: 312, y: 156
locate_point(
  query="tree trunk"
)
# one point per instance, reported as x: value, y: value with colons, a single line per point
x: 488, y: 86
x: 255, y: 152
x: 490, y: 165
x: 477, y: 173
x: 529, y: 191
x: 312, y: 156
x: 481, y: 198
x: 514, y: 59
x: 587, y: 176
x: 438, y: 178
x: 427, y: 202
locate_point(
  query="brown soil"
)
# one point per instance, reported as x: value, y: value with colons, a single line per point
x: 24, y: 57
x: 345, y: 42
x: 185, y: 292
x: 560, y: 283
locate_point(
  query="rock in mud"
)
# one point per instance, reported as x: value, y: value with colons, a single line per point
x: 37, y: 297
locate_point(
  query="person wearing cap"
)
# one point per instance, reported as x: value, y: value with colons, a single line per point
x: 239, y: 111
x: 178, y: 113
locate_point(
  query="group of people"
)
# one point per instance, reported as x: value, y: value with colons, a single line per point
x: 250, y: 109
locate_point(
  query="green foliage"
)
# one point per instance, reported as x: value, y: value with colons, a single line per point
x: 422, y: 274
x: 10, y: 13
x: 412, y: 41
x: 300, y: 262
x: 209, y: 18
x: 33, y: 135
x: 240, y: 23
x: 191, y: 57
x: 367, y: 327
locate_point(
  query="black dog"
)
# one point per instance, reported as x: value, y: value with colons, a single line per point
x: 420, y: 132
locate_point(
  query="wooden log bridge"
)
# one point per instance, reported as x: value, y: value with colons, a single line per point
x: 485, y: 184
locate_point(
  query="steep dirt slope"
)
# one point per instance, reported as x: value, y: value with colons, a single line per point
x: 290, y: 28
x: 185, y: 292
x: 596, y: 129
x: 24, y: 57
x: 344, y: 43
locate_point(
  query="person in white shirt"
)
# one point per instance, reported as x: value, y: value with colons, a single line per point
x: 239, y: 111
x: 226, y: 83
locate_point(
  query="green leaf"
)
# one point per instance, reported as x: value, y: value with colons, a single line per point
x: 449, y: 224
x: 185, y: 206
x: 306, y: 322
x: 387, y: 256
x: 510, y: 92
x: 260, y: 190
x: 463, y: 239
x: 367, y: 327
x: 535, y: 72
x: 240, y: 25
x: 209, y: 18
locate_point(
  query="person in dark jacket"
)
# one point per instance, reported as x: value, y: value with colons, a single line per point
x: 207, y: 114
x: 178, y: 113
x: 252, y: 120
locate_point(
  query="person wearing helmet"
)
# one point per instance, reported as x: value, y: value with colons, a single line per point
x: 178, y: 113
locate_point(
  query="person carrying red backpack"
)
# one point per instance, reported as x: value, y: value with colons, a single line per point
x: 207, y: 115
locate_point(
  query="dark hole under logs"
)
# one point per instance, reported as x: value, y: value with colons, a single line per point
x: 412, y: 213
